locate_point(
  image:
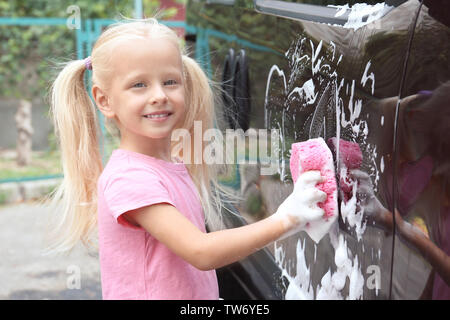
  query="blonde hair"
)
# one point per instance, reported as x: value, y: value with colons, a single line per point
x: 76, y: 126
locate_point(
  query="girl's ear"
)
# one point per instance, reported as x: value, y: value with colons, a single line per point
x: 102, y: 102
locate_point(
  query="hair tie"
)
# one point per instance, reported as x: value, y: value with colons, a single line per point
x: 88, y: 63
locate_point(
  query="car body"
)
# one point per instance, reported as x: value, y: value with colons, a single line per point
x: 375, y: 75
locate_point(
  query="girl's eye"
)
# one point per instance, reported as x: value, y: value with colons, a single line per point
x: 138, y: 85
x: 170, y: 82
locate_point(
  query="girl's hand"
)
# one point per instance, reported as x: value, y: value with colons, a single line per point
x: 300, y: 207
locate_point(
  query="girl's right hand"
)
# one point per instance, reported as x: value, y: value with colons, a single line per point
x: 300, y: 207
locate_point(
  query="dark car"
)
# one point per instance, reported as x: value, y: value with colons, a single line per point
x: 372, y: 77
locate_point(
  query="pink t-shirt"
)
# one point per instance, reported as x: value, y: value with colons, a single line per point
x: 133, y: 264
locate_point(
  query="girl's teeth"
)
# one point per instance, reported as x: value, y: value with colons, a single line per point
x: 157, y: 115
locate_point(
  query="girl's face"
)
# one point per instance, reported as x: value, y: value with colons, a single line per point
x: 146, y: 95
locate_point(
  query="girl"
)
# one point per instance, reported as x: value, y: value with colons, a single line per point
x: 150, y: 208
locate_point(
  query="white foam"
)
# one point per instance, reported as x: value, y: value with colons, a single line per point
x: 316, y: 62
x: 367, y: 76
x: 360, y: 12
x: 299, y: 287
x: 332, y: 283
x: 349, y: 211
x: 307, y: 91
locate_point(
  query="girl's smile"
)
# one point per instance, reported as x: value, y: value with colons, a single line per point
x: 158, y: 116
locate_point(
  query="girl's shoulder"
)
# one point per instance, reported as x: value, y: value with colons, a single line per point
x: 125, y: 166
x: 129, y: 158
x: 132, y: 165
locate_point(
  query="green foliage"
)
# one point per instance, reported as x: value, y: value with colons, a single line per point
x: 58, y: 9
x: 24, y: 52
x: 27, y: 52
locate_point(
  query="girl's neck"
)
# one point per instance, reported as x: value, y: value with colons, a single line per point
x: 159, y: 149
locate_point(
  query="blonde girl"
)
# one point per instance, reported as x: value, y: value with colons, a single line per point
x: 150, y: 207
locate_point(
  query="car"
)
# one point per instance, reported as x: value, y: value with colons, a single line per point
x: 372, y: 80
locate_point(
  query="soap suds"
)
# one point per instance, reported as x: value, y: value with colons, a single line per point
x: 367, y: 76
x: 307, y: 91
x: 315, y: 53
x: 349, y: 210
x: 299, y: 287
x: 361, y: 14
x: 347, y: 271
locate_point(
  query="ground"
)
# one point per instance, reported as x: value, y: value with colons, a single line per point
x: 27, y: 274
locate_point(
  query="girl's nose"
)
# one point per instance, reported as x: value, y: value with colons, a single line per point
x: 158, y: 96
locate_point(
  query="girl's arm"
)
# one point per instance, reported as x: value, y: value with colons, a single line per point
x: 205, y: 251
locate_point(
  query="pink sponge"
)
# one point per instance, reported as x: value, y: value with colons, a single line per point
x: 350, y: 154
x: 315, y: 155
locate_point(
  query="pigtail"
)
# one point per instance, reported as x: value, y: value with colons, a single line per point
x: 201, y: 99
x: 75, y: 122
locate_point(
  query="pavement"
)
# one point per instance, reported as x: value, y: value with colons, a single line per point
x: 25, y: 273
